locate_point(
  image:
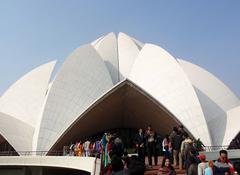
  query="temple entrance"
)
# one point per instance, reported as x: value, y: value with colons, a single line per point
x: 127, y: 107
x: 126, y: 134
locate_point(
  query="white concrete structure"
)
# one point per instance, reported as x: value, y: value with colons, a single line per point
x: 127, y: 53
x: 216, y: 100
x: 109, y: 54
x: 18, y: 133
x: 88, y: 164
x: 71, y: 95
x: 186, y: 93
x: 231, y: 125
x: 214, y: 154
x: 159, y: 74
x: 21, y: 105
x: 24, y: 99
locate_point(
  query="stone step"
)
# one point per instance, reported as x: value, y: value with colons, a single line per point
x: 154, y: 169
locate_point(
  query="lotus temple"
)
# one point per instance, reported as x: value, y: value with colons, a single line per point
x: 114, y: 82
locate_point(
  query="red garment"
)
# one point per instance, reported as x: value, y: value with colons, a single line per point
x: 232, y: 169
x: 166, y: 171
x: 108, y: 147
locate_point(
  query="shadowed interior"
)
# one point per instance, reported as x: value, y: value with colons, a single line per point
x: 125, y: 106
x: 5, y: 147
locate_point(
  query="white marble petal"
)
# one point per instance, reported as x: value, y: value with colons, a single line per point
x: 82, y: 78
x: 159, y: 74
x: 215, y: 98
x: 24, y: 99
x: 18, y: 133
x: 127, y: 53
x: 232, y: 125
x: 107, y: 49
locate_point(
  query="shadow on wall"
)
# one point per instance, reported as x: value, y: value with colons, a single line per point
x: 215, y: 116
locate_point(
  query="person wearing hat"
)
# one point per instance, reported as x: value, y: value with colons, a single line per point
x: 202, y: 165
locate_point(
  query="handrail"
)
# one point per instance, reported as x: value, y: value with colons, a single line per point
x: 215, y: 148
x: 31, y: 153
x: 220, y: 147
x: 60, y: 153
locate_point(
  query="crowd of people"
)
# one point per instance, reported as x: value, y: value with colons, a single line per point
x: 110, y: 150
x: 179, y: 150
x: 182, y: 152
x: 83, y: 149
x: 199, y: 166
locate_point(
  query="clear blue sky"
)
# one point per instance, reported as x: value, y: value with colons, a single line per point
x: 204, y: 32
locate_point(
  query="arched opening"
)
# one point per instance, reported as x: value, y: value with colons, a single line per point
x: 126, y: 106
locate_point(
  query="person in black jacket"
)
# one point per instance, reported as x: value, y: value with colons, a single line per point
x: 139, y: 143
x: 150, y: 137
x: 176, y: 144
x: 223, y: 165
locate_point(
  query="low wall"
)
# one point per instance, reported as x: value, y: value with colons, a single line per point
x: 213, y: 155
x: 88, y: 164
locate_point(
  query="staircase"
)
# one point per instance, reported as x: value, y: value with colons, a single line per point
x: 154, y: 169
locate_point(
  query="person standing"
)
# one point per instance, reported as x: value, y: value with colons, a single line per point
x: 193, y: 163
x: 189, y: 153
x: 71, y: 152
x: 203, y: 165
x: 166, y: 146
x: 150, y: 144
x: 86, y: 148
x: 176, y: 144
x: 222, y: 165
x: 209, y: 169
x: 158, y: 145
x: 105, y: 148
x: 171, y: 137
x: 139, y: 143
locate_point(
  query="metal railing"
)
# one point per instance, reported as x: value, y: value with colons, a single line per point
x: 215, y: 148
x: 60, y: 153
x: 220, y: 147
x: 31, y: 153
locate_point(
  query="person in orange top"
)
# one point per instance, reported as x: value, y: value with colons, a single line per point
x: 81, y: 149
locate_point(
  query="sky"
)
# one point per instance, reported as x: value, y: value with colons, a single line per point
x: 206, y: 33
